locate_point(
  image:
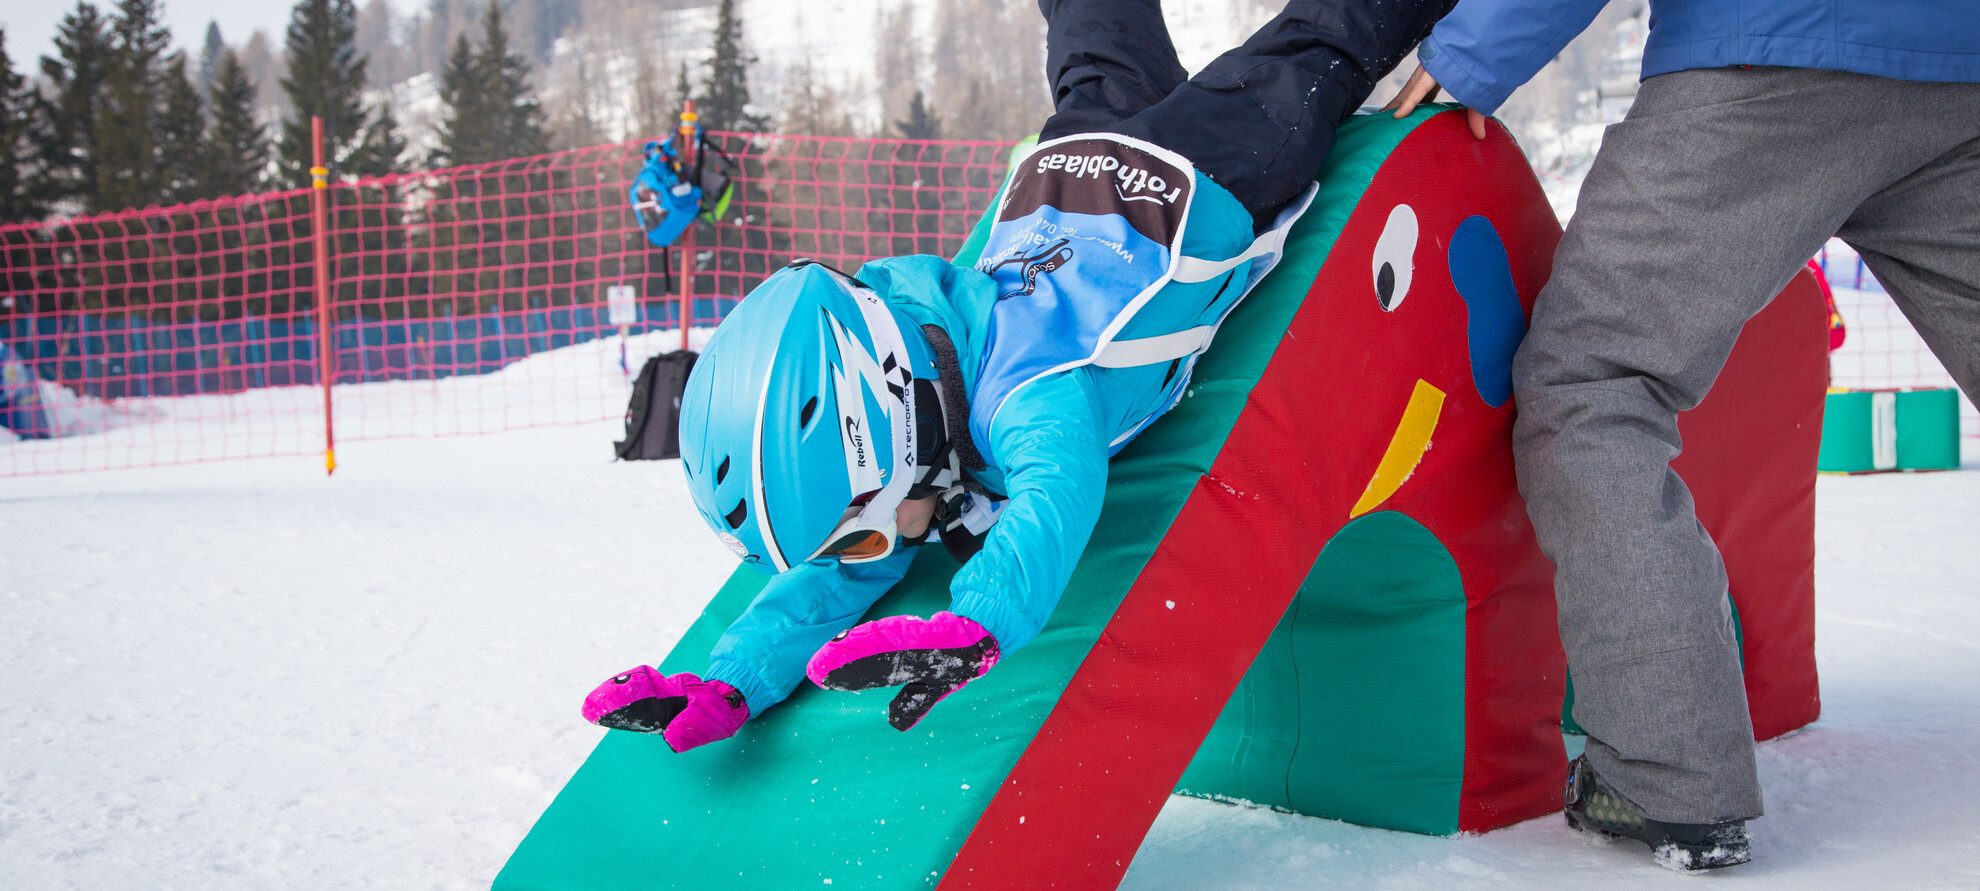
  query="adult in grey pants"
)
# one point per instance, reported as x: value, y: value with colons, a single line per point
x: 1701, y: 205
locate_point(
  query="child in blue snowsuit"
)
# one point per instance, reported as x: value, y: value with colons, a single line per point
x: 833, y: 422
x: 667, y: 193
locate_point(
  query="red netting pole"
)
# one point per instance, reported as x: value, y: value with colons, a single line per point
x: 687, y: 282
x: 689, y: 161
x: 320, y: 225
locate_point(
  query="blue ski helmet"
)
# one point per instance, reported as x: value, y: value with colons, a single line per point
x: 799, y: 414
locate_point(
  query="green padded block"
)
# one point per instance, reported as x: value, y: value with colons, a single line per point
x: 1377, y: 635
x: 1871, y: 430
x: 1847, y: 443
x: 1927, y: 430
x: 820, y: 787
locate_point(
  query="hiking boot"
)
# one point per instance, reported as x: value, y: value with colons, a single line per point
x: 1591, y: 806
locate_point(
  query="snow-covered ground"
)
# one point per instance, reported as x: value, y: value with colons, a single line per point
x: 245, y: 675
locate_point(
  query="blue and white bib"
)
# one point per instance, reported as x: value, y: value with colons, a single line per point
x: 1095, y: 262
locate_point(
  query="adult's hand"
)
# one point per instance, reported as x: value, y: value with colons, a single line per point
x: 1423, y: 88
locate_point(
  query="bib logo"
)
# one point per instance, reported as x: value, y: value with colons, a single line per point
x: 857, y: 441
x: 1133, y: 180
x: 1088, y: 188
x: 1044, y: 262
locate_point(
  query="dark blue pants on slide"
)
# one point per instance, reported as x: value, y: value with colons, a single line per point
x: 1260, y: 118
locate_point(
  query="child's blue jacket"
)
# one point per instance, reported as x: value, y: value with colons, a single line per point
x: 1047, y: 450
x: 680, y: 201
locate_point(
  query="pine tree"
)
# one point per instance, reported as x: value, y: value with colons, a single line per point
x: 180, y: 135
x: 725, y: 93
x: 921, y: 122
x: 490, y: 113
x: 382, y: 150
x: 209, y: 55
x: 21, y: 195
x: 326, y: 79
x: 682, y: 93
x: 130, y: 172
x: 463, y: 132
x: 236, y: 144
x: 67, y: 145
x: 505, y: 75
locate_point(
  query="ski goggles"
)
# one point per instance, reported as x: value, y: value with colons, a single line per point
x: 856, y: 540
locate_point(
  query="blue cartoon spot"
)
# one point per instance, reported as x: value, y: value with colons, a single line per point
x: 1495, y: 322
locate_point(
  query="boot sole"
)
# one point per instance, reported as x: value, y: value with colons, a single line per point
x: 1675, y: 856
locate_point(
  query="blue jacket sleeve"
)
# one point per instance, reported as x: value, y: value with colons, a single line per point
x: 764, y: 652
x: 1485, y: 49
x: 1047, y: 441
x: 679, y: 201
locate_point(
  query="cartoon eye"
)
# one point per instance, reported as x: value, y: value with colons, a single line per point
x: 1395, y: 257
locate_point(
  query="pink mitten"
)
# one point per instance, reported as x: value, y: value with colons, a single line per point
x: 932, y: 657
x: 685, y: 710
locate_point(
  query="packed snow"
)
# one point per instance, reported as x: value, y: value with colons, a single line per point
x: 246, y: 675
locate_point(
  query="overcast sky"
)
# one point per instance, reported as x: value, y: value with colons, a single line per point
x: 31, y: 24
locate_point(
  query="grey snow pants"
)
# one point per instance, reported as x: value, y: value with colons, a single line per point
x: 1699, y: 208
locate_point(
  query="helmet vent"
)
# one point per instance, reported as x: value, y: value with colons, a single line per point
x: 804, y: 414
x: 736, y: 516
x: 722, y: 471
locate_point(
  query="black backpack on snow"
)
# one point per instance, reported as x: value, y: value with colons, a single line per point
x: 653, y: 419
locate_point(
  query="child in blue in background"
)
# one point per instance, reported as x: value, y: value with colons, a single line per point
x: 669, y: 191
x: 835, y: 422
